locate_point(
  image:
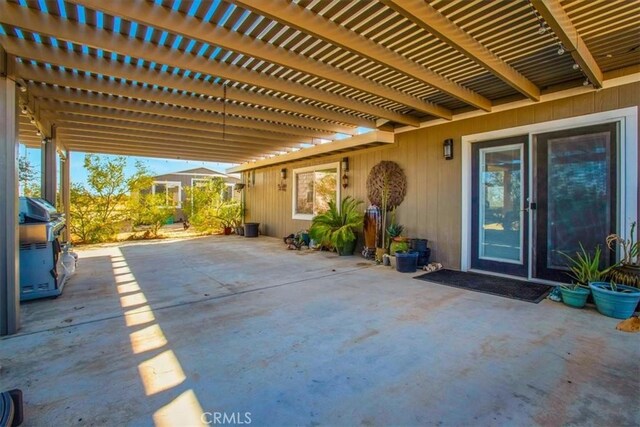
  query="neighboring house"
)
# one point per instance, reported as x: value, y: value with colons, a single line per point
x: 173, y: 186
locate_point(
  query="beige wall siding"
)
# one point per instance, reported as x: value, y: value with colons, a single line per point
x: 432, y: 207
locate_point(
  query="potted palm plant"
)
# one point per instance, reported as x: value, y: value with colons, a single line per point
x: 628, y: 271
x: 584, y: 269
x: 337, y: 227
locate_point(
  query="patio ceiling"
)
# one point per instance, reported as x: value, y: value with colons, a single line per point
x: 243, y: 80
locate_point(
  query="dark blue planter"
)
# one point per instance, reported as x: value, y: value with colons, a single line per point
x: 619, y: 305
x: 251, y: 229
x: 406, y: 262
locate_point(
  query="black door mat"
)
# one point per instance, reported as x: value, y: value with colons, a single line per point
x: 494, y: 285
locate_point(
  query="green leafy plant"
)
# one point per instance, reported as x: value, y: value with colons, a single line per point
x: 205, y: 206
x: 336, y: 227
x: 630, y: 247
x: 149, y: 209
x: 614, y: 287
x: 585, y: 268
x: 401, y: 247
x: 230, y: 214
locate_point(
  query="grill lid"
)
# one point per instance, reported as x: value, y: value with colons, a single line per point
x: 34, y: 209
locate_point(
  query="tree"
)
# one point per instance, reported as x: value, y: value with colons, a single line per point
x: 28, y: 178
x: 146, y: 208
x: 97, y: 211
x: 204, y: 204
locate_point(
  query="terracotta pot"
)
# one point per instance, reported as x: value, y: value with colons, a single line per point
x: 227, y: 231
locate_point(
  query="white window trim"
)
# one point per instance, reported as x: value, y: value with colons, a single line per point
x: 167, y: 184
x: 207, y: 179
x: 627, y: 119
x: 194, y: 180
x: 294, y: 193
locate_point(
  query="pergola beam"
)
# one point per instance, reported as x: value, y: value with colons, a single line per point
x: 90, y: 99
x: 177, y: 141
x: 428, y: 18
x: 184, y: 132
x: 59, y: 57
x: 130, y: 120
x: 163, y: 145
x: 304, y: 20
x: 50, y: 25
x: 41, y: 74
x: 96, y: 144
x: 126, y: 150
x: 205, y: 32
x: 555, y: 16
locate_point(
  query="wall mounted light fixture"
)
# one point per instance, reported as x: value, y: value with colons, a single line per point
x: 345, y: 168
x: 282, y: 186
x: 447, y: 149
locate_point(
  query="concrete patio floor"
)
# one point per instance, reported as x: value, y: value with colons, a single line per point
x: 159, y: 332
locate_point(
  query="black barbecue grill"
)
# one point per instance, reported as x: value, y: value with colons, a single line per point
x: 41, y: 272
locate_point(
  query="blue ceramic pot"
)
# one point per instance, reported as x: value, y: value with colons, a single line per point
x: 576, y: 298
x: 619, y: 304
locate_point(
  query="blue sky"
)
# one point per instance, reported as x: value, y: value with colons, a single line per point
x: 155, y: 166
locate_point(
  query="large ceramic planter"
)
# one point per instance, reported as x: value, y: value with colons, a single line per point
x: 347, y: 249
x: 619, y: 305
x: 576, y: 298
x: 406, y: 262
x: 626, y: 274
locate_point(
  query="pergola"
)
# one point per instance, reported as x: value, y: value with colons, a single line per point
x: 253, y: 81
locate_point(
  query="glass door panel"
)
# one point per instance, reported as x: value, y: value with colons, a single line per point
x: 576, y: 196
x: 500, y: 204
x: 499, y: 223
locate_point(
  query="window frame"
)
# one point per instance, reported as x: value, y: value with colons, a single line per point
x: 166, y: 193
x: 294, y: 192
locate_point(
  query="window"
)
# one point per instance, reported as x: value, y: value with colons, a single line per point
x: 226, y: 194
x: 313, y: 188
x: 171, y: 190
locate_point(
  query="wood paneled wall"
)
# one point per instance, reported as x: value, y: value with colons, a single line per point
x: 432, y: 207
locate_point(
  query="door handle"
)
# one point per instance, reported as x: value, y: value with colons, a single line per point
x: 532, y: 206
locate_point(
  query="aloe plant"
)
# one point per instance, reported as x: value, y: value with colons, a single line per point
x: 395, y: 230
x: 337, y: 227
x: 585, y: 268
